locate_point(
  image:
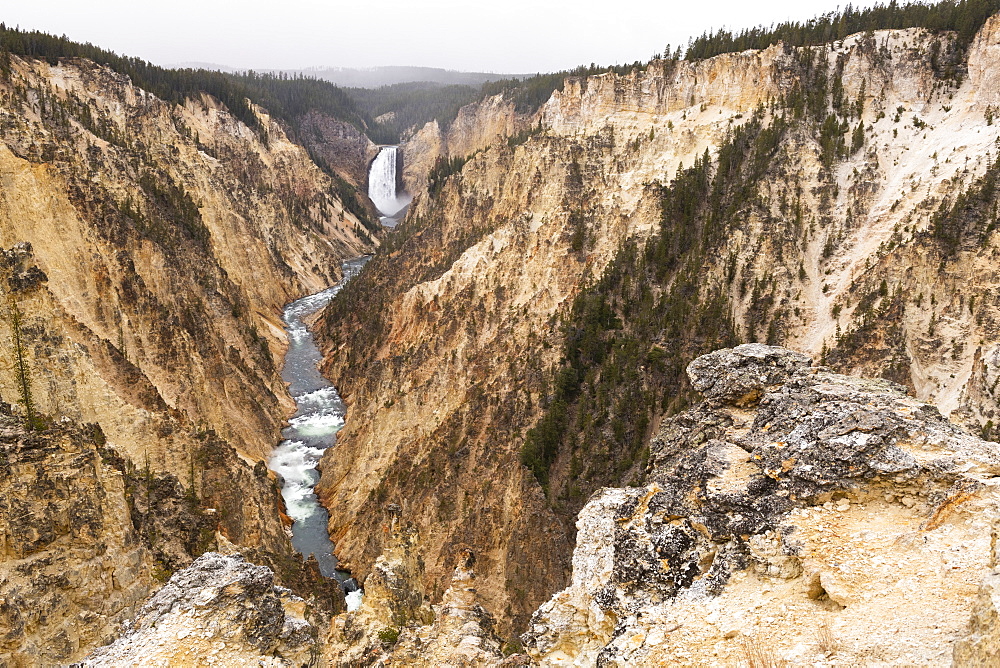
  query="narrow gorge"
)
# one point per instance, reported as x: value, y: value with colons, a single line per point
x: 312, y: 429
x: 149, y: 247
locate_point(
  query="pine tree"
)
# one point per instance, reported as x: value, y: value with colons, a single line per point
x: 22, y: 373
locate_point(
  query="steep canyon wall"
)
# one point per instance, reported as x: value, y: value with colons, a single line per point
x: 149, y: 248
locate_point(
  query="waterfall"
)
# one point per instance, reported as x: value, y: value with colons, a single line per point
x: 382, y: 186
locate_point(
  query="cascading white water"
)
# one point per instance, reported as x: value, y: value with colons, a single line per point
x: 310, y: 431
x: 382, y: 181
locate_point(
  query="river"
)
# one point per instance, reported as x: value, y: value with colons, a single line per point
x: 311, y: 430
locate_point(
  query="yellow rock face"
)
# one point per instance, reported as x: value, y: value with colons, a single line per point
x: 72, y: 566
x: 173, y: 307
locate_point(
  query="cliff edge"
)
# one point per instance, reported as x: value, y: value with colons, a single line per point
x: 794, y: 515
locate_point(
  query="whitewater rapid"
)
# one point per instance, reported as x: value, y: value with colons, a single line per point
x: 311, y: 430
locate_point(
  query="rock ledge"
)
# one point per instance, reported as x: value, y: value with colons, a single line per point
x: 222, y: 610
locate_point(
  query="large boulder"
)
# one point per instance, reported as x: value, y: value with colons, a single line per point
x: 740, y: 375
x: 220, y: 610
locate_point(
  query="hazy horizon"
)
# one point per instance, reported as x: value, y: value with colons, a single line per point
x: 517, y: 37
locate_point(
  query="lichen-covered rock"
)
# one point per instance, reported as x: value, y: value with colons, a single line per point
x: 739, y: 375
x: 221, y: 609
x: 828, y: 519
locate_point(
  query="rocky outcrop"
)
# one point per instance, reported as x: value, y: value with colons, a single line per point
x: 219, y: 610
x: 395, y: 625
x: 340, y: 145
x: 393, y: 599
x: 830, y: 518
x: 740, y: 376
x: 476, y: 127
x: 462, y: 633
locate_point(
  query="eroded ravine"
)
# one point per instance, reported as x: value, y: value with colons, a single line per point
x: 320, y: 411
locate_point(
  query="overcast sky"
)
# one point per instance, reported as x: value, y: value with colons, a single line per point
x: 515, y: 36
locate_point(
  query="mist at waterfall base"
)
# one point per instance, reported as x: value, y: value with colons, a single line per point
x: 382, y: 180
x: 312, y: 429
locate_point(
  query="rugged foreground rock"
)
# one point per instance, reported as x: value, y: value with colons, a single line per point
x: 223, y: 610
x: 395, y: 626
x: 794, y: 515
x: 220, y: 610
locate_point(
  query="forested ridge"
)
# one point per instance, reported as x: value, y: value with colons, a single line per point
x: 402, y: 107
x: 628, y: 337
x: 408, y: 105
x: 412, y: 105
x: 965, y: 17
x: 286, y: 98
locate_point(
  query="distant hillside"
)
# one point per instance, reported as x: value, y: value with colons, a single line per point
x: 286, y: 98
x: 399, y: 107
x: 200, y: 65
x: 375, y: 77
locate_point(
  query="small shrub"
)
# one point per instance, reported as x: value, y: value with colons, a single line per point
x: 161, y: 573
x: 512, y: 647
x: 827, y: 641
x: 757, y: 655
x: 389, y: 635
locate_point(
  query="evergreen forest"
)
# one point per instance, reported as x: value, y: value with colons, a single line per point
x: 964, y: 17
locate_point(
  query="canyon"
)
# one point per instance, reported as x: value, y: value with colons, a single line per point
x: 555, y: 450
